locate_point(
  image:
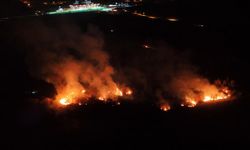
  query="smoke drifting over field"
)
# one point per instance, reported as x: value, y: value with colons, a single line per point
x: 75, y: 62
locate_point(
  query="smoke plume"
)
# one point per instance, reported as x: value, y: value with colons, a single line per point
x: 73, y: 61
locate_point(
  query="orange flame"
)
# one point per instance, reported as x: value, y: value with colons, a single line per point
x: 68, y: 97
x: 77, y: 96
x: 213, y: 94
x: 129, y: 92
x: 200, y: 92
x: 75, y: 84
x: 64, y: 101
x: 165, y: 107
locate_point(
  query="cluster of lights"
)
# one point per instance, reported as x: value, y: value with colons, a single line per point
x: 80, y: 8
x: 77, y: 8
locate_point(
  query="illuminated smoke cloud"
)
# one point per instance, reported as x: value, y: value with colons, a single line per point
x: 169, y: 75
x: 193, y: 89
x: 74, y: 62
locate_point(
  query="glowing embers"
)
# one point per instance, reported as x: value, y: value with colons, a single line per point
x: 214, y: 95
x: 81, y: 96
x: 115, y: 94
x: 118, y: 92
x: 165, y: 107
x: 128, y: 92
x: 68, y: 97
x: 144, y: 15
x: 64, y: 101
x: 190, y: 102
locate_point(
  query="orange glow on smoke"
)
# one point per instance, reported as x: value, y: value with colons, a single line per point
x: 196, y: 91
x: 77, y: 82
x: 64, y: 101
x: 118, y: 92
x: 191, y: 102
x: 213, y: 94
x: 129, y: 92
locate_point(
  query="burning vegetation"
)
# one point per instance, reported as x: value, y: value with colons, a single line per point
x: 80, y: 71
x: 165, y: 107
x: 193, y: 89
x: 75, y: 64
x: 78, y: 81
x: 197, y: 91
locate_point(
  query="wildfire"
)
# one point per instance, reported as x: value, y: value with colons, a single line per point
x: 199, y: 91
x: 129, y: 92
x: 165, y: 107
x: 101, y: 98
x: 79, y: 96
x: 219, y: 94
x: 83, y: 91
x: 191, y: 102
x: 224, y: 94
x: 64, y: 101
x: 118, y: 92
